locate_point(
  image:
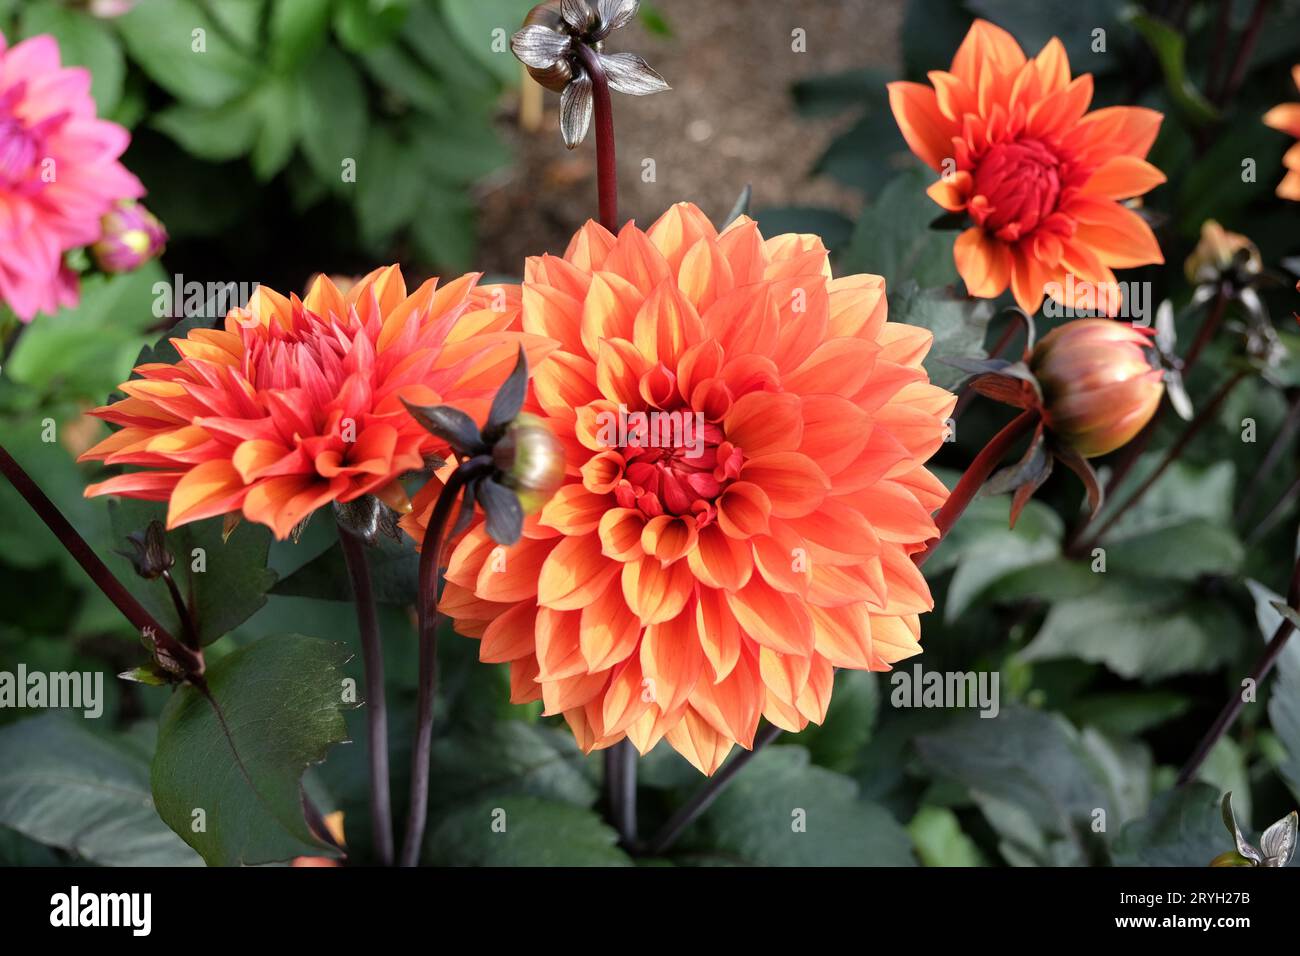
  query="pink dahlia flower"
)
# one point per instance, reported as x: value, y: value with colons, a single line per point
x: 59, y: 174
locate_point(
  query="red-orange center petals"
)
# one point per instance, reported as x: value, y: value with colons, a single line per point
x: 681, y: 477
x: 1021, y: 183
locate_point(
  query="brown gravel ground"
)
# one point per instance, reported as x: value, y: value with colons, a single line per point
x: 729, y: 120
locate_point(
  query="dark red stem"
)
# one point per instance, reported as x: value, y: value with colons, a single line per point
x: 430, y: 563
x: 690, y: 811
x: 606, y: 166
x: 1232, y: 709
x: 372, y: 656
x: 104, y: 579
x: 1237, y: 74
x: 990, y: 457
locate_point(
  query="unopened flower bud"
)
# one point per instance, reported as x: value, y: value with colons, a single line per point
x: 149, y: 554
x: 1222, y: 255
x: 130, y: 236
x: 1098, y: 382
x: 531, y: 461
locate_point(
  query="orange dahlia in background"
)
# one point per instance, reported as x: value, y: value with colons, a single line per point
x: 1286, y: 117
x: 296, y: 403
x: 1039, y: 176
x: 684, y: 588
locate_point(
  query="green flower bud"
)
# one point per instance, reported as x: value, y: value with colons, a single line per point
x: 531, y: 461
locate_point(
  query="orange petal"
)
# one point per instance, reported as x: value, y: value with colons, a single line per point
x: 984, y: 263
x: 773, y: 619
x: 672, y: 660
x: 574, y: 573
x: 793, y: 483
x: 656, y: 593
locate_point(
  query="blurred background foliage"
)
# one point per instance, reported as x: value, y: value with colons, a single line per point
x: 1107, y: 680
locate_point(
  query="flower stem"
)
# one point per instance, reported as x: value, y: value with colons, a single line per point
x: 1274, y: 515
x: 1232, y: 709
x: 190, y: 661
x: 1249, y: 37
x: 430, y: 562
x: 620, y: 790
x: 1280, y: 442
x: 990, y: 457
x: 704, y: 797
x: 606, y: 167
x: 1193, y: 429
x: 372, y: 655
x: 1213, y: 319
x: 189, y: 633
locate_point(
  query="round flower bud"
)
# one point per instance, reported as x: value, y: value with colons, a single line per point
x: 531, y: 461
x: 1099, y: 385
x: 1231, y: 858
x: 130, y: 236
x: 556, y: 76
x: 1222, y: 255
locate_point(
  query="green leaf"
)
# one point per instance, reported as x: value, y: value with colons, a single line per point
x: 1182, y: 828
x: 222, y: 582
x: 833, y: 93
x: 297, y: 29
x: 89, y: 350
x: 1129, y: 713
x: 1035, y: 22
x: 394, y: 573
x: 869, y: 154
x: 216, y: 133
x: 406, y: 80
x: 389, y: 195
x: 940, y: 841
x: 276, y: 108
x: 833, y: 227
x: 506, y: 758
x: 1139, y: 631
x: 893, y: 237
x: 932, y: 32
x: 281, y: 709
x: 444, y: 230
x: 958, y: 324
x: 1284, y: 696
x: 784, y: 811
x: 83, y: 41
x: 204, y: 69
x: 87, y: 793
x: 460, y: 149
x: 848, y: 724
x: 333, y: 116
x: 1032, y: 762
x: 1179, y: 549
x: 484, y: 28
x: 523, y: 831
x: 1170, y: 48
x: 363, y: 25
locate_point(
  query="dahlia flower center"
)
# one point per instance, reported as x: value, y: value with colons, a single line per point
x: 19, y: 149
x: 318, y: 361
x: 676, y: 463
x: 1020, y: 183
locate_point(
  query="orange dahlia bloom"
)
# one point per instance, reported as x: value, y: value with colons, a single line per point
x: 1286, y: 117
x: 297, y: 403
x: 1038, y: 175
x: 717, y: 563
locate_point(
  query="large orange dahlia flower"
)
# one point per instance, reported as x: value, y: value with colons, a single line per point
x: 1286, y: 117
x: 717, y: 559
x: 1038, y: 175
x: 297, y: 403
